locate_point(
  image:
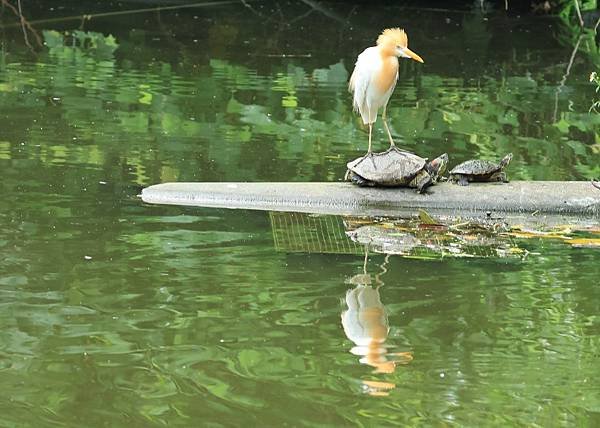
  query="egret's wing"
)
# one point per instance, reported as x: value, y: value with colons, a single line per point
x: 367, y: 65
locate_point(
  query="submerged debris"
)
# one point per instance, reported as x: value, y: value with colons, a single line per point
x: 426, y: 236
x: 426, y: 218
x: 585, y: 242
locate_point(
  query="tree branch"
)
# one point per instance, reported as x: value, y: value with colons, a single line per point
x: 25, y: 25
x: 579, y: 13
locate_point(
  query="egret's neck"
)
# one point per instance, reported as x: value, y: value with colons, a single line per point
x: 388, y: 72
x: 387, y: 50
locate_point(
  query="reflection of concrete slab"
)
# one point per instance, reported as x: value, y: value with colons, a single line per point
x: 576, y: 198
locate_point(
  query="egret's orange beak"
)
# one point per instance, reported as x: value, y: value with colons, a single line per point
x: 413, y: 55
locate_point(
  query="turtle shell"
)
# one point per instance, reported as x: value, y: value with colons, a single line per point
x: 476, y: 167
x: 392, y: 167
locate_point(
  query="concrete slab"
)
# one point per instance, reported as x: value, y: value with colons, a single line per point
x: 573, y: 198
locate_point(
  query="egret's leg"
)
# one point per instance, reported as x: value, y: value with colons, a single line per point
x: 370, y: 131
x: 384, y: 117
x: 369, y: 153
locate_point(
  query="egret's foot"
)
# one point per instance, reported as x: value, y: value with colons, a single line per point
x: 398, y: 149
x: 368, y: 155
x: 596, y: 184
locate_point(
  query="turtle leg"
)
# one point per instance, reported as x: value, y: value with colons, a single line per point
x: 384, y: 118
x: 422, y: 181
x: 358, y: 180
x: 462, y: 180
x: 499, y: 176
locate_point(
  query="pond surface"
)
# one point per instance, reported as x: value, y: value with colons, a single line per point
x: 116, y: 313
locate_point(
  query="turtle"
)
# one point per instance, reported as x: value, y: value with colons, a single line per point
x: 396, y: 167
x: 480, y: 170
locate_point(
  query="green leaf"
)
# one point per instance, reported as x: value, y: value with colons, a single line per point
x: 53, y: 39
x: 425, y: 217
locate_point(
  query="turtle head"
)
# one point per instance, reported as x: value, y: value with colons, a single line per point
x: 506, y: 160
x: 437, y: 167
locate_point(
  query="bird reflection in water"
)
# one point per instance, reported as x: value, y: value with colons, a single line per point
x: 365, y: 323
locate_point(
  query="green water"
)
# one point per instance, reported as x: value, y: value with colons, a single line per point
x: 116, y: 313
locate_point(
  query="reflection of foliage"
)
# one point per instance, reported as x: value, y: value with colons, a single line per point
x: 241, y: 119
x: 299, y: 116
x: 92, y: 43
x: 584, y: 38
x: 574, y: 32
x: 570, y: 10
x: 596, y: 81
